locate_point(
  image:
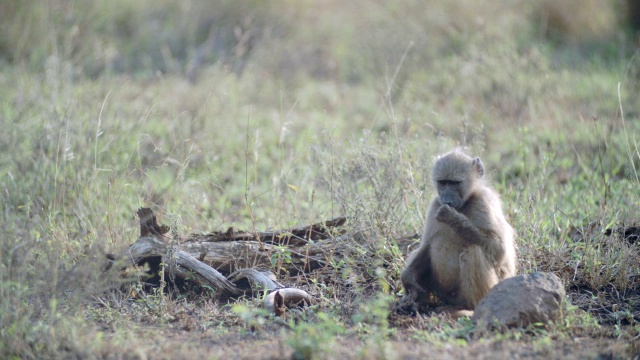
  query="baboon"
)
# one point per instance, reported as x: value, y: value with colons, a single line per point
x: 467, y: 245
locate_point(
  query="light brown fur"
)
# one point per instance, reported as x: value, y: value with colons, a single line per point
x: 467, y: 245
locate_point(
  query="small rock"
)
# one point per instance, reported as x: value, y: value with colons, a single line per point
x: 521, y: 300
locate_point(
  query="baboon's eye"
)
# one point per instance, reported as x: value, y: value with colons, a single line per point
x: 448, y: 182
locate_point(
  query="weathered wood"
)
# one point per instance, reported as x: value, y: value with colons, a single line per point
x: 293, y: 236
x: 149, y: 225
x: 228, y: 256
x: 181, y: 262
x: 259, y: 280
x: 204, y: 258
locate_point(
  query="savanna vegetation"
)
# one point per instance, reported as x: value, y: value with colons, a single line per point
x: 267, y: 115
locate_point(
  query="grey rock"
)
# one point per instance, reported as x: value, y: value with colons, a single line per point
x: 521, y: 301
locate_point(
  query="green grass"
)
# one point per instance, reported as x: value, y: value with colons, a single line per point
x: 298, y: 116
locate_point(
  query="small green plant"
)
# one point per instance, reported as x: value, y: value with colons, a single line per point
x: 280, y: 258
x: 154, y: 304
x: 252, y: 318
x: 575, y: 318
x: 314, y: 339
x: 372, y: 316
x: 372, y: 322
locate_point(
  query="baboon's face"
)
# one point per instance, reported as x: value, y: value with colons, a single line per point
x: 450, y: 192
x: 455, y: 176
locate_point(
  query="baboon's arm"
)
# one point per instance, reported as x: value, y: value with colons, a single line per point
x: 464, y: 227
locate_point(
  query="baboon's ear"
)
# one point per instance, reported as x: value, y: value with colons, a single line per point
x: 477, y: 164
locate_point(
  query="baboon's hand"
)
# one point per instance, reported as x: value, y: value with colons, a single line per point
x: 406, y: 306
x: 445, y: 213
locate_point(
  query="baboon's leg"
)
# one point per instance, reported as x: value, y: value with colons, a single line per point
x: 417, y: 278
x: 477, y: 276
x: 455, y: 312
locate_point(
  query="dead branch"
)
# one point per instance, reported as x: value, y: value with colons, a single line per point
x: 184, y: 264
x: 255, y: 279
x: 292, y: 237
x: 245, y: 256
x: 228, y: 256
x: 149, y: 225
x: 202, y: 259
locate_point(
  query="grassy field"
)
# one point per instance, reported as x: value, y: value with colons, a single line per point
x: 266, y: 115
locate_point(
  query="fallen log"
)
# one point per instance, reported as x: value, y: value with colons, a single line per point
x: 229, y: 256
x: 234, y: 263
x: 260, y: 280
x: 180, y: 262
x: 295, y: 236
x: 307, y: 248
x: 205, y: 259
